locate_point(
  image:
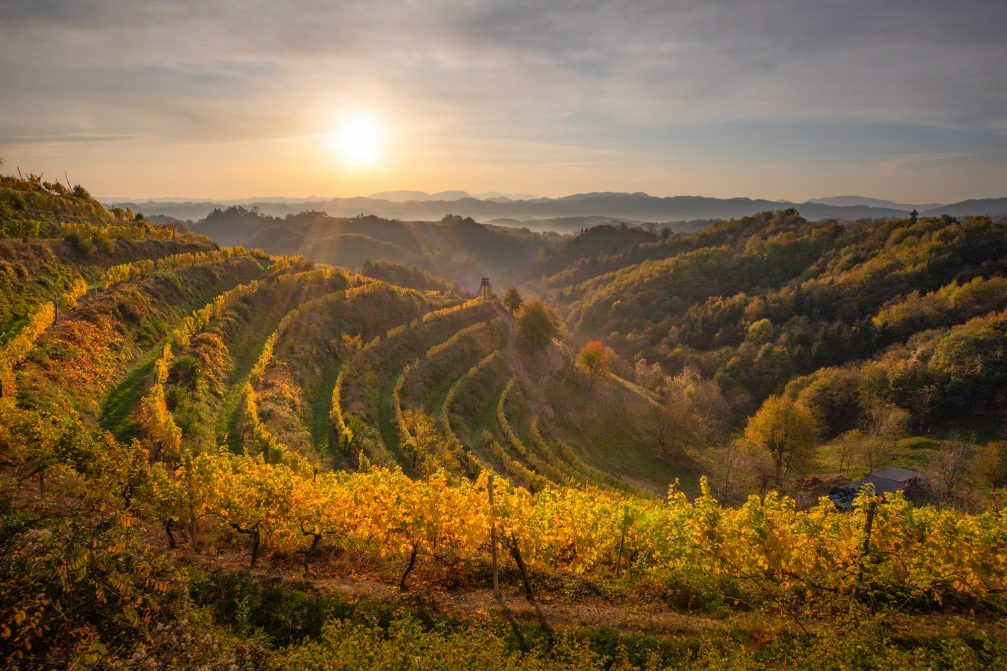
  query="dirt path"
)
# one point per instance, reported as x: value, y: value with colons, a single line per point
x: 560, y: 611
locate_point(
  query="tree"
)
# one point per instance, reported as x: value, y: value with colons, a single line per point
x: 785, y: 431
x: 593, y: 361
x: 833, y: 395
x: 885, y: 424
x: 536, y: 327
x: 512, y: 299
x: 949, y: 467
x: 703, y: 399
x: 990, y: 466
x: 649, y: 375
x: 669, y: 428
x: 761, y: 332
x: 847, y: 445
x: 693, y: 414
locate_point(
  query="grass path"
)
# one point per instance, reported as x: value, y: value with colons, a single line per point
x: 562, y: 610
x: 119, y: 406
x: 636, y: 389
x: 12, y: 329
x: 321, y: 405
x: 244, y: 353
x: 389, y: 432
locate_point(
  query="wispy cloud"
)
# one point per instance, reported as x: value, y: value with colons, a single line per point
x: 686, y: 78
x: 6, y: 139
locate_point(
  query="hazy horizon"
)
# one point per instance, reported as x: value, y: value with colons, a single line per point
x: 905, y: 101
x: 277, y: 198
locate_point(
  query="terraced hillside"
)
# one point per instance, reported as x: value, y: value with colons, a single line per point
x: 220, y: 458
x: 165, y: 338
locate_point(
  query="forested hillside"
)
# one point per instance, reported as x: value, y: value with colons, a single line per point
x: 218, y: 457
x: 455, y: 248
x: 904, y: 312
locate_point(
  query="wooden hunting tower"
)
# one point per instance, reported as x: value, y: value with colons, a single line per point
x: 485, y: 292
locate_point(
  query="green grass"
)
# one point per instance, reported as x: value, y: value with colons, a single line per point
x: 12, y: 329
x: 609, y: 439
x: 386, y: 424
x: 914, y: 452
x: 244, y: 354
x: 321, y: 404
x: 487, y: 421
x: 118, y: 411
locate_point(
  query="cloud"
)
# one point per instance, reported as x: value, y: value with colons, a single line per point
x: 590, y: 75
x: 14, y: 140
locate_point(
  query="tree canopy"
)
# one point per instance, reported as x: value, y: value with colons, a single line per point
x: 593, y: 360
x: 783, y: 430
x: 537, y: 326
x: 512, y: 299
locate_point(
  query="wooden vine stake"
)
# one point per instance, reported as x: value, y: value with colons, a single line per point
x: 622, y: 540
x: 493, y: 542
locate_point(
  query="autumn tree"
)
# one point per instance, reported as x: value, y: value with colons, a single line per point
x: 593, y: 361
x: 694, y: 413
x: 703, y: 399
x: 990, y: 465
x: 512, y: 299
x: 649, y: 375
x: 885, y: 424
x: 784, y: 431
x: 536, y: 327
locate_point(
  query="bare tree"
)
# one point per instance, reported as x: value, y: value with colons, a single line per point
x: 950, y: 468
x: 649, y: 375
x: 884, y: 425
x: 734, y: 472
x: 848, y: 445
x: 665, y: 428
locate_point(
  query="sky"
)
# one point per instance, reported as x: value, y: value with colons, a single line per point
x: 790, y: 99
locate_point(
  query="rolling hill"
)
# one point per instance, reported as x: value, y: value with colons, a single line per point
x: 223, y: 457
x: 770, y: 303
x: 996, y: 207
x: 628, y: 206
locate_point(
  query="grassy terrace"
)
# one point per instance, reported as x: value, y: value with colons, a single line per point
x: 370, y: 377
x: 97, y: 348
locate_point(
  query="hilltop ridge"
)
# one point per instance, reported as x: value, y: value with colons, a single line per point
x: 632, y: 206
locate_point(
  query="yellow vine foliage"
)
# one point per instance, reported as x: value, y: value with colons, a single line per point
x: 383, y: 513
x: 74, y: 293
x: 16, y: 349
x: 124, y: 272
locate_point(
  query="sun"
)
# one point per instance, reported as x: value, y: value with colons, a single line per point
x: 358, y: 140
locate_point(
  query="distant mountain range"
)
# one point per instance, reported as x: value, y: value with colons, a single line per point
x: 634, y: 207
x: 846, y: 201
x: 995, y: 207
x: 423, y: 196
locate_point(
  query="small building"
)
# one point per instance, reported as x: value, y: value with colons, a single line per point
x: 886, y: 480
x: 485, y: 291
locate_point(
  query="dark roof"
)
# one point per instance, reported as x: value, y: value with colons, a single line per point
x: 881, y: 485
x: 897, y: 473
x: 885, y: 480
